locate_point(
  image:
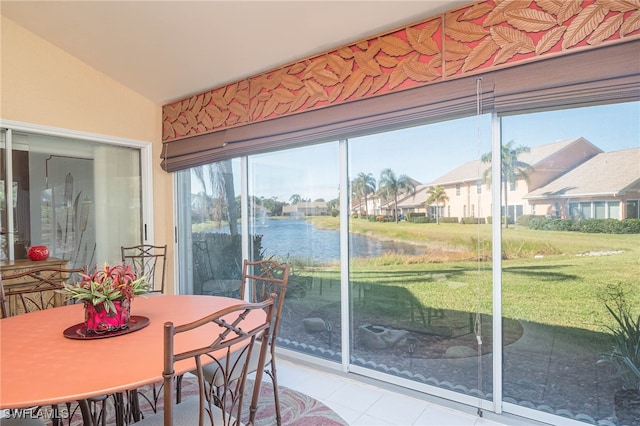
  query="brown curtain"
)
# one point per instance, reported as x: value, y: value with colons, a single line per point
x: 595, y: 76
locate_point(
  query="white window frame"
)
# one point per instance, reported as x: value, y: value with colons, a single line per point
x: 145, y: 147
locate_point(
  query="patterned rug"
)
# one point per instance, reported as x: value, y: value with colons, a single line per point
x: 297, y: 409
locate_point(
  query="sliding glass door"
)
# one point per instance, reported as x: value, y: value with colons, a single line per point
x: 82, y: 199
x: 474, y: 259
x: 294, y: 218
x: 571, y: 251
x: 210, y: 233
x: 419, y: 255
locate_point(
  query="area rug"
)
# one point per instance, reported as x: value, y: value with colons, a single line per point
x: 297, y: 409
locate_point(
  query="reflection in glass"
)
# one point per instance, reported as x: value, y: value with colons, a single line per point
x: 419, y: 313
x: 421, y: 273
x: 567, y: 258
x: 293, y: 205
x: 211, y: 215
x: 80, y: 198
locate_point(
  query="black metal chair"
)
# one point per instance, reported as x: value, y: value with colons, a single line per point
x: 232, y: 336
x: 259, y: 279
x: 147, y: 260
x: 35, y: 289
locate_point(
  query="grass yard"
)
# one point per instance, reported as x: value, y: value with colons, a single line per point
x: 546, y: 276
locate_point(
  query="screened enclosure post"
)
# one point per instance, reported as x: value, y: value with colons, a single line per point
x: 496, y: 230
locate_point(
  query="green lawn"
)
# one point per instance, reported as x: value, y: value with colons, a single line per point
x: 545, y: 277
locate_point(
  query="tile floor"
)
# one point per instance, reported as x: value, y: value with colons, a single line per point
x: 363, y: 403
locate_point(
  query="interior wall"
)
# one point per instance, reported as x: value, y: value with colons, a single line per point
x: 43, y: 85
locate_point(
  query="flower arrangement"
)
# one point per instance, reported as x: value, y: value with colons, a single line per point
x: 107, y: 285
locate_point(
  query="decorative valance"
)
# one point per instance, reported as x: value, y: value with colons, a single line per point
x: 420, y: 73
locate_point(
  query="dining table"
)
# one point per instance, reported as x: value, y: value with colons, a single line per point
x: 46, y: 359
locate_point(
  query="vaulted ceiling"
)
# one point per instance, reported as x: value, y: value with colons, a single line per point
x: 168, y: 50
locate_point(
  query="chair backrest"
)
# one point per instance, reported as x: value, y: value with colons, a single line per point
x: 35, y: 289
x: 232, y: 332
x: 147, y: 260
x: 202, y: 268
x: 262, y: 278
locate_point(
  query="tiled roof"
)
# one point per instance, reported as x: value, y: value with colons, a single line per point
x: 418, y: 198
x: 608, y: 173
x: 474, y: 170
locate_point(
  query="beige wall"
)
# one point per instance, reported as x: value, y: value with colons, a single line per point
x: 43, y: 85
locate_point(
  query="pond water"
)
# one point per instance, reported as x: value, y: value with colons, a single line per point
x: 299, y: 239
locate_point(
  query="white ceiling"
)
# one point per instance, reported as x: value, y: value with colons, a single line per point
x: 168, y: 50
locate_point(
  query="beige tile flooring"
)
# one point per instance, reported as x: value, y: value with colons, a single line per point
x: 366, y: 402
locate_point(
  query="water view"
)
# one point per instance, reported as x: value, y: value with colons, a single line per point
x: 299, y: 239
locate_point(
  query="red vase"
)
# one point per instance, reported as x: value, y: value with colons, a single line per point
x: 98, y: 320
x: 38, y: 253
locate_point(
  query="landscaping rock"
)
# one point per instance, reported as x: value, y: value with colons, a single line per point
x: 377, y: 337
x: 314, y: 325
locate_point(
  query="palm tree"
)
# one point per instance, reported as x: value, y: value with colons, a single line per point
x: 390, y: 186
x: 204, y: 201
x: 295, y: 199
x: 220, y: 177
x: 226, y: 172
x: 437, y: 195
x: 363, y: 185
x: 510, y: 167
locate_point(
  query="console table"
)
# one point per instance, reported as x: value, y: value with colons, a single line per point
x: 8, y: 268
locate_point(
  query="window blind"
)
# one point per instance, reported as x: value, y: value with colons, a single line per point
x: 595, y: 76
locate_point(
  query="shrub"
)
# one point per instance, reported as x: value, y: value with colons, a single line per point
x: 472, y: 220
x: 629, y: 226
x: 525, y: 219
x: 418, y: 219
x: 592, y: 226
x: 553, y: 224
x: 448, y: 219
x: 224, y: 253
x: 610, y: 226
x: 625, y: 353
x: 414, y: 215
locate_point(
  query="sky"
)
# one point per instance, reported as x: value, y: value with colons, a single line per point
x: 426, y: 152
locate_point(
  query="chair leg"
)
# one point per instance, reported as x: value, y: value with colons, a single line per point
x: 179, y: 389
x: 119, y: 406
x: 98, y: 410
x: 276, y: 396
x: 87, y: 417
x: 134, y: 406
x: 57, y: 420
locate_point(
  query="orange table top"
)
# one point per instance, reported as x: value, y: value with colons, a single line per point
x: 39, y: 366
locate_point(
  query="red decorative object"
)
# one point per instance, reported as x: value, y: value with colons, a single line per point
x: 99, y: 320
x: 38, y: 252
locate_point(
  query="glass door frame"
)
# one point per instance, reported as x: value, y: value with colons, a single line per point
x: 145, y: 148
x: 498, y: 405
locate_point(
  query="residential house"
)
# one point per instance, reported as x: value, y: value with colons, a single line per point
x: 569, y: 178
x: 470, y: 195
x: 306, y: 208
x: 607, y: 186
